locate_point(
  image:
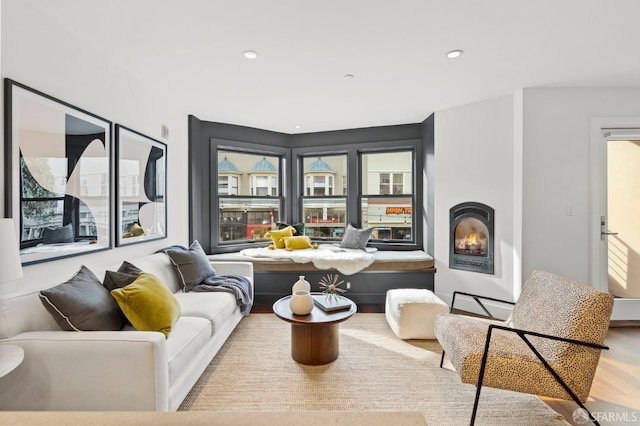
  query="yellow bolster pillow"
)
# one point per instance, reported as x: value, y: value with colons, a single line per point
x: 276, y: 235
x: 296, y: 243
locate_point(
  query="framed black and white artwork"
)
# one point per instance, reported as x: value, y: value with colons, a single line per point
x: 58, y: 175
x: 141, y: 173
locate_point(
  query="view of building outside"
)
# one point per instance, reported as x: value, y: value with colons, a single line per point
x: 324, y: 202
x: 41, y: 208
x: 386, y: 176
x: 248, y: 195
x: 248, y: 191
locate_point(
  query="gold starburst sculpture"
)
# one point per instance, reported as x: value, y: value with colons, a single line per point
x: 331, y: 286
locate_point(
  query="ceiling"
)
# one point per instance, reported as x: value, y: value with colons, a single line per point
x: 190, y: 51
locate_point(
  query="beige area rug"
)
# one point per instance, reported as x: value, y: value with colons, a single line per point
x: 375, y: 371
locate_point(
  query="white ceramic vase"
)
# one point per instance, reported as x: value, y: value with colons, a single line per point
x: 301, y: 303
x: 301, y: 285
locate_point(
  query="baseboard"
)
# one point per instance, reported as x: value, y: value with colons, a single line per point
x: 624, y: 323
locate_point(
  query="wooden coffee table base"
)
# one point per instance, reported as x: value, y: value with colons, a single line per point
x: 315, y: 344
x: 315, y: 338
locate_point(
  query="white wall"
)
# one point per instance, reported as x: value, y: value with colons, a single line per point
x: 474, y: 161
x: 41, y: 55
x: 535, y: 147
x: 557, y: 173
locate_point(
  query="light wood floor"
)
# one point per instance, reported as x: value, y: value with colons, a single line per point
x: 615, y: 394
x: 614, y: 397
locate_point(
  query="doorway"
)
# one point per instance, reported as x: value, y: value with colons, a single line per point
x: 617, y: 202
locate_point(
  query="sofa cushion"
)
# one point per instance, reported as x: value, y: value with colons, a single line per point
x: 82, y: 304
x: 215, y: 307
x: 356, y: 238
x: 191, y: 266
x: 159, y: 264
x: 189, y: 337
x: 148, y: 304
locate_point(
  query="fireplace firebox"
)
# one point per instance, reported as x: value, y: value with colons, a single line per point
x: 471, y: 237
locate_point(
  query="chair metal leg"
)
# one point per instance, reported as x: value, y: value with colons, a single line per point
x: 475, y: 405
x: 559, y: 379
x: 485, y: 355
x: 442, y: 359
x: 542, y: 360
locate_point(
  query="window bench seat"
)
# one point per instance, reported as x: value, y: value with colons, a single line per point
x: 273, y: 278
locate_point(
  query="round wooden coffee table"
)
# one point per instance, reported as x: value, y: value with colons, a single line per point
x: 315, y: 338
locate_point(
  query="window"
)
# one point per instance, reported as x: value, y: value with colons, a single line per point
x: 324, y: 187
x: 41, y: 207
x: 227, y: 185
x: 387, y: 194
x: 386, y: 186
x: 324, y: 207
x: 248, y: 196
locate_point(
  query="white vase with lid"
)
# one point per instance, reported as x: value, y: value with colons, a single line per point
x: 301, y: 285
x: 301, y: 303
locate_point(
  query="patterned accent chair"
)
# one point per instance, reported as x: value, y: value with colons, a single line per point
x: 549, y: 346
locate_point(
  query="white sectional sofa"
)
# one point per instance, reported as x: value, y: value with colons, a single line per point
x: 116, y: 370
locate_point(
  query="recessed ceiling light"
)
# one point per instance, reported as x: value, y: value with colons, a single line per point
x: 453, y: 54
x: 250, y: 54
x: 297, y: 126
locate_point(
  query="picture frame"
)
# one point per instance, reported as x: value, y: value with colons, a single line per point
x: 141, y: 172
x: 58, y: 165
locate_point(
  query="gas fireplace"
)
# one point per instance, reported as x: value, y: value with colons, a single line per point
x: 471, y: 241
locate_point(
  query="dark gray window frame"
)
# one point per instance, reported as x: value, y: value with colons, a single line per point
x: 284, y: 154
x: 354, y: 184
x: 414, y: 194
x: 292, y: 186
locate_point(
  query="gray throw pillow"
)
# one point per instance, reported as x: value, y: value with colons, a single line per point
x: 356, y: 238
x: 114, y: 280
x: 129, y: 268
x: 191, y: 266
x: 82, y: 304
x: 58, y: 234
x: 125, y: 275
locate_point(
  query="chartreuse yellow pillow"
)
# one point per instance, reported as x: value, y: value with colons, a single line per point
x: 148, y: 304
x: 296, y: 243
x: 276, y: 235
x: 136, y: 230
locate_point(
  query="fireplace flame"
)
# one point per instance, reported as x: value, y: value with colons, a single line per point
x: 472, y: 240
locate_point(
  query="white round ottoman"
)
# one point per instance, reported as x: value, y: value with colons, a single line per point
x: 411, y: 312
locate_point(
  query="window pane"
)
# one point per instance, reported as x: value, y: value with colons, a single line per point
x: 398, y: 187
x: 383, y: 169
x: 390, y: 217
x: 223, y: 185
x: 326, y: 175
x: 324, y: 217
x: 39, y: 214
x: 247, y: 218
x: 87, y: 226
x: 248, y: 172
x: 43, y: 177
